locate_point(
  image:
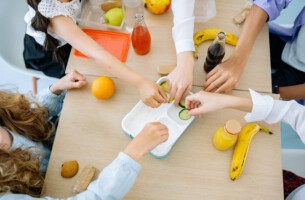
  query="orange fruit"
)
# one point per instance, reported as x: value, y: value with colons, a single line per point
x: 103, y: 87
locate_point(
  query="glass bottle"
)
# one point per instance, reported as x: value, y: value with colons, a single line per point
x: 140, y: 36
x: 216, y: 52
x: 226, y: 136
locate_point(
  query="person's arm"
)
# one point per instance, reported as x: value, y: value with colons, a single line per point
x: 181, y: 78
x: 52, y: 97
x: 150, y: 92
x: 115, y: 181
x: 225, y: 76
x: 273, y: 111
x: 292, y: 92
x: 259, y: 108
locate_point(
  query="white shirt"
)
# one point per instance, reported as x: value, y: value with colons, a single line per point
x: 183, y: 29
x: 272, y: 111
x: 184, y: 19
x: 51, y: 9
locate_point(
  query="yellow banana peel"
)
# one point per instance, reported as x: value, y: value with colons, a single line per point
x: 210, y: 34
x: 242, y: 147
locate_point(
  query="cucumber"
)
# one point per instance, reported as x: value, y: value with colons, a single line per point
x: 184, y: 114
x: 182, y: 103
x: 164, y: 86
x: 170, y: 100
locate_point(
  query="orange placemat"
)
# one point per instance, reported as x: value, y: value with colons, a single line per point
x: 115, y: 43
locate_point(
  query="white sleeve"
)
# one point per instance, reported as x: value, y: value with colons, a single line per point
x: 273, y: 111
x: 183, y: 29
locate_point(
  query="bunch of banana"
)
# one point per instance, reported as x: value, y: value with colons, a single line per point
x: 210, y: 34
x: 242, y: 147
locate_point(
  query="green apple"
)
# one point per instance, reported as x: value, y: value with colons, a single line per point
x: 114, y: 16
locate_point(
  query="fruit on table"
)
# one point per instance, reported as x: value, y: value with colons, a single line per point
x: 210, y: 34
x: 158, y: 6
x: 114, y: 16
x: 69, y: 169
x: 107, y: 5
x: 103, y: 87
x: 242, y: 146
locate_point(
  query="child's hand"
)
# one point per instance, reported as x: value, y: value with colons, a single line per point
x: 204, y: 102
x: 151, y: 93
x: 152, y: 134
x: 71, y: 80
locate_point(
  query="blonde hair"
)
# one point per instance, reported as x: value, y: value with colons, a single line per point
x: 20, y: 169
x: 24, y: 116
x: 19, y: 172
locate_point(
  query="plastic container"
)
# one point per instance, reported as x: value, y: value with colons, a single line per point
x: 93, y: 16
x: 166, y: 114
x: 116, y: 43
x: 226, y: 136
x: 204, y: 10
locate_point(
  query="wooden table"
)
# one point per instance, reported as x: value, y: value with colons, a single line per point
x: 90, y: 131
x: 257, y: 74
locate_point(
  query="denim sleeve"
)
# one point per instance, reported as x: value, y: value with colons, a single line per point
x: 112, y: 184
x: 51, y: 101
x: 272, y: 7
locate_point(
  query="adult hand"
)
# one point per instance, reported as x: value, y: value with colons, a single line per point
x: 181, y: 78
x: 71, y: 80
x: 151, y: 93
x: 152, y: 134
x: 225, y: 76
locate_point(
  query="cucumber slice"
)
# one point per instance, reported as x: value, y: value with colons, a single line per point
x: 164, y: 86
x: 184, y: 114
x: 170, y: 100
x: 182, y: 103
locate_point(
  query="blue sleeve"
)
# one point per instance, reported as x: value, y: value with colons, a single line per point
x: 113, y: 182
x: 272, y: 7
x: 116, y: 179
x: 51, y: 101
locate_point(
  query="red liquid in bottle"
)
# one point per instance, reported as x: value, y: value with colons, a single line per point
x: 140, y: 39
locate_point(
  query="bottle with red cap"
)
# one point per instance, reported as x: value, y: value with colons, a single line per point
x: 226, y: 136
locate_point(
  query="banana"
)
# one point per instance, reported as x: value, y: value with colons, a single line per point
x: 210, y: 34
x: 242, y: 147
x: 196, y: 51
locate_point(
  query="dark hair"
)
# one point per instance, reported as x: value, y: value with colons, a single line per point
x: 41, y: 23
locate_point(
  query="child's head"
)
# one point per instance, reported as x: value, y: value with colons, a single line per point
x: 19, y: 172
x: 24, y: 116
